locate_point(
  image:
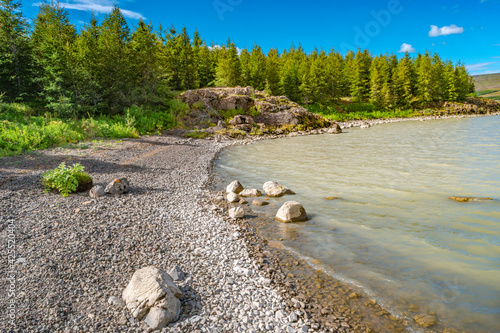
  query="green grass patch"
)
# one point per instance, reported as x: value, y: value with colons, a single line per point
x: 197, y: 134
x: 486, y: 92
x: 495, y: 98
x: 358, y: 111
x: 24, y: 129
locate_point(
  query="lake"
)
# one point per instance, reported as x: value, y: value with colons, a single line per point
x: 393, y: 231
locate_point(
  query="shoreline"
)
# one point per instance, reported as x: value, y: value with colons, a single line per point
x: 260, y: 246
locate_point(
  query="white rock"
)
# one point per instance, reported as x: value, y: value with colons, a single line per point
x: 151, y: 288
x: 273, y: 189
x: 176, y: 273
x: 234, y: 187
x: 236, y: 213
x: 232, y: 197
x: 250, y: 193
x: 291, y: 211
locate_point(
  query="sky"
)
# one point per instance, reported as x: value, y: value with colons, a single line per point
x: 460, y: 30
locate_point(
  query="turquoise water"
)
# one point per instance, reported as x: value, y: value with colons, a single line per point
x: 394, y: 231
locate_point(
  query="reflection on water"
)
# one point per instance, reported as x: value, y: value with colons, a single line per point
x: 394, y: 231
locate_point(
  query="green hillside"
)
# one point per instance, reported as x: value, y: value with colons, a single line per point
x: 488, y: 86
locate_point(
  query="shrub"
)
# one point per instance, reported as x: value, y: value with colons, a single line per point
x: 64, y: 179
x: 197, y: 134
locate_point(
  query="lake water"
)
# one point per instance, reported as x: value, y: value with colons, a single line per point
x: 394, y: 232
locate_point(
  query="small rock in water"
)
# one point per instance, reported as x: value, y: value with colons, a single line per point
x: 332, y: 198
x: 236, y: 213
x: 425, y: 320
x: 273, y: 189
x: 257, y: 202
x: 291, y: 211
x: 250, y: 193
x: 97, y: 191
x: 234, y: 187
x: 468, y: 199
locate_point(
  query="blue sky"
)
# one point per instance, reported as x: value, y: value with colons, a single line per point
x: 458, y: 30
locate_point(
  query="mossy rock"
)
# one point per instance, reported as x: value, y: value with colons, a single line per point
x: 85, y: 182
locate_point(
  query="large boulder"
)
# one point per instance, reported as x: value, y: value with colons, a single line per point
x: 234, y: 187
x: 241, y: 119
x: 334, y: 129
x: 291, y: 211
x: 250, y: 193
x: 273, y: 189
x: 117, y: 186
x: 151, y: 294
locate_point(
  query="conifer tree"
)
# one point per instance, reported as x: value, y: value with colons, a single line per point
x: 245, y: 68
x: 402, y: 78
x: 52, y: 43
x: 273, y: 68
x: 257, y: 64
x: 360, y: 84
x: 424, y: 79
x: 335, y: 79
x: 14, y: 51
x: 228, y: 66
x: 450, y: 78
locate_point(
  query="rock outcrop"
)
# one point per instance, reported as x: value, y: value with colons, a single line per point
x: 291, y: 211
x: 152, y: 295
x: 258, y: 111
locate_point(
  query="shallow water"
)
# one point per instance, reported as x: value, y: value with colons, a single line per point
x: 394, y: 231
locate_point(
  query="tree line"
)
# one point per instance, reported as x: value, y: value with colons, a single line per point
x: 105, y: 67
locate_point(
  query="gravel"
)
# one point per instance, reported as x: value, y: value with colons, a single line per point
x: 75, y: 255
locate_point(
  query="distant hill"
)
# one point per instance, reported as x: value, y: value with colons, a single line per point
x: 488, y: 85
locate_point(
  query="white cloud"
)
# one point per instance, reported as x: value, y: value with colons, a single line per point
x: 218, y: 47
x: 406, y: 48
x: 97, y: 6
x: 483, y: 66
x: 445, y: 31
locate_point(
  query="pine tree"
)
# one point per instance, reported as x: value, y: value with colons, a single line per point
x: 438, y: 81
x: 424, y: 79
x: 377, y: 76
x: 188, y: 69
x: 14, y: 51
x: 257, y: 64
x: 273, y: 69
x: 451, y: 93
x: 245, y: 68
x: 360, y: 84
x: 402, y: 79
x: 289, y: 81
x: 462, y: 78
x: 335, y: 79
x: 52, y: 43
x: 228, y: 66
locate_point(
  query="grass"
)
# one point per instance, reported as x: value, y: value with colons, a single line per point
x: 22, y: 129
x: 359, y: 111
x: 487, y: 82
x: 486, y: 92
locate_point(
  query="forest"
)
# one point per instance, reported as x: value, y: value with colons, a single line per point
x: 108, y: 69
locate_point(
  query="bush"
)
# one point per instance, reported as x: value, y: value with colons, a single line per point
x: 64, y: 179
x: 197, y: 134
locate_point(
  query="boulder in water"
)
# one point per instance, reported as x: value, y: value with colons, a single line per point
x: 234, y: 187
x: 273, y: 189
x: 291, y: 211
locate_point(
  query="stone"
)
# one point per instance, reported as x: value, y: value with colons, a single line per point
x: 97, y: 191
x: 332, y: 198
x: 116, y: 302
x: 176, y: 273
x: 365, y: 125
x: 117, y: 186
x: 468, y: 199
x: 234, y: 187
x: 258, y: 202
x: 242, y: 202
x: 273, y: 189
x: 334, y: 129
x: 250, y: 193
x: 425, y: 320
x: 153, y: 294
x: 236, y: 213
x: 291, y: 211
x: 232, y: 197
x: 240, y: 120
